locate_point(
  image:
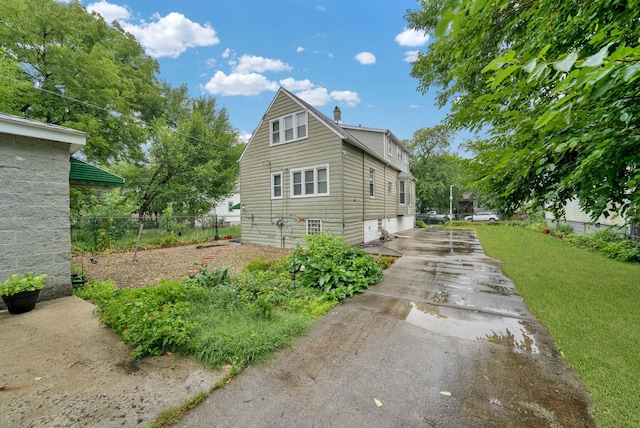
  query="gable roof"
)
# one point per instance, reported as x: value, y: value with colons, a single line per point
x: 340, y: 130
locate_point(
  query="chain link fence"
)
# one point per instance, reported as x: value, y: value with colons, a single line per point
x: 98, y: 234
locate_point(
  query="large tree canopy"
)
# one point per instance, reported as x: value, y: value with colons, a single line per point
x: 554, y: 87
x: 434, y: 168
x: 191, y: 159
x: 80, y: 72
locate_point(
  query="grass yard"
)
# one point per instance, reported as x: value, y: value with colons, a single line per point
x: 589, y: 304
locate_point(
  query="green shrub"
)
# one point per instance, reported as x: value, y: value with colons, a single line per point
x: 563, y: 230
x: 420, y: 224
x: 211, y: 278
x: 152, y: 319
x: 608, y: 242
x: 330, y: 263
x: 95, y: 291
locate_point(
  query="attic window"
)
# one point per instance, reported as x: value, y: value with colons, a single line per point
x: 289, y: 128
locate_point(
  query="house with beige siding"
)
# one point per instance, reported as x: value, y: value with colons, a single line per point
x: 302, y: 173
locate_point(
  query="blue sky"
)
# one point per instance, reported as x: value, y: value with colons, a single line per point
x: 354, y: 54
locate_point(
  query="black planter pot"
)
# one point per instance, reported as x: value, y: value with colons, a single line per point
x: 20, y: 303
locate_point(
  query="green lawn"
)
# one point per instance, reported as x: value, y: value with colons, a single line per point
x: 589, y: 304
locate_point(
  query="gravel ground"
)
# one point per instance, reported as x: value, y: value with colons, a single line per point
x: 171, y: 263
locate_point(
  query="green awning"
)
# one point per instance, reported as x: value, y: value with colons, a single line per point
x: 237, y: 206
x: 82, y: 174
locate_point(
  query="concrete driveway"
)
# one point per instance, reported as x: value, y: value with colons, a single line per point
x: 443, y: 341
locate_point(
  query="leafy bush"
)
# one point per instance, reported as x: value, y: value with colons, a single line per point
x: 563, y: 230
x: 210, y: 278
x: 152, y: 319
x: 420, y: 224
x: 329, y: 263
x: 609, y: 242
x: 95, y: 291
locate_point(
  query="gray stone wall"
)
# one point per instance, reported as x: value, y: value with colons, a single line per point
x: 34, y: 211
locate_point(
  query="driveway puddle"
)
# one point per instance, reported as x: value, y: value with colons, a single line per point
x: 471, y: 325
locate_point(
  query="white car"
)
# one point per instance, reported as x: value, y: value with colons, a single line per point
x: 483, y: 216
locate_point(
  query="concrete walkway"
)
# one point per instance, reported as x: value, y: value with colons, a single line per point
x: 443, y: 341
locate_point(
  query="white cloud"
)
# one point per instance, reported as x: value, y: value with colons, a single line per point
x: 171, y: 35
x: 292, y: 84
x: 315, y: 97
x: 110, y: 12
x: 321, y: 8
x: 366, y: 58
x: 411, y: 56
x: 412, y: 38
x: 299, y: 49
x: 239, y: 84
x: 320, y: 96
x: 415, y: 106
x: 251, y: 63
x: 349, y: 97
x: 211, y: 62
x: 226, y: 53
x: 245, y: 136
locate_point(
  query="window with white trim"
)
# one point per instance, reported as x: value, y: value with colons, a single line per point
x: 288, y: 128
x: 230, y: 205
x: 389, y: 146
x: 399, y: 152
x: 314, y: 226
x: 401, y: 193
x: 312, y: 181
x: 372, y: 183
x: 276, y: 185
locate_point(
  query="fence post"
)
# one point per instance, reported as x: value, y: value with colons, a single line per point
x: 135, y: 253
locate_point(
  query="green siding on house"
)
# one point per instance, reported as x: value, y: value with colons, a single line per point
x: 260, y: 161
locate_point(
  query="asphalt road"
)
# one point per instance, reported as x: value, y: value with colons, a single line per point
x: 443, y: 341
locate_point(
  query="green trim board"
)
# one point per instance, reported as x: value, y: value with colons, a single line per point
x: 82, y: 174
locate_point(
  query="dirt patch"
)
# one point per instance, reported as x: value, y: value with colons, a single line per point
x: 61, y: 368
x: 171, y: 263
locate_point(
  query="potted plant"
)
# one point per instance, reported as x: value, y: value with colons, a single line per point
x: 20, y: 291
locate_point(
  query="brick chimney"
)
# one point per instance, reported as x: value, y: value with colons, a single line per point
x: 337, y: 115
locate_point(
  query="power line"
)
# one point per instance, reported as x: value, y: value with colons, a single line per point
x: 111, y: 112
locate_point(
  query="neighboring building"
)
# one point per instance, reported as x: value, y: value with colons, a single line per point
x: 35, y: 174
x: 228, y: 209
x: 581, y: 222
x: 302, y: 173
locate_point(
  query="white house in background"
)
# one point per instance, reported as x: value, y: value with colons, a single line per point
x: 581, y: 222
x: 228, y: 209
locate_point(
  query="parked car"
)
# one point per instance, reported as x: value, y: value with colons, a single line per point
x: 483, y: 216
x: 432, y: 217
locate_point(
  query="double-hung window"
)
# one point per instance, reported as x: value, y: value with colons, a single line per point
x: 289, y: 128
x: 389, y: 147
x: 276, y: 185
x: 312, y: 181
x: 401, y: 193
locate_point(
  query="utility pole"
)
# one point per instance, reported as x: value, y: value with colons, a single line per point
x: 451, y: 202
